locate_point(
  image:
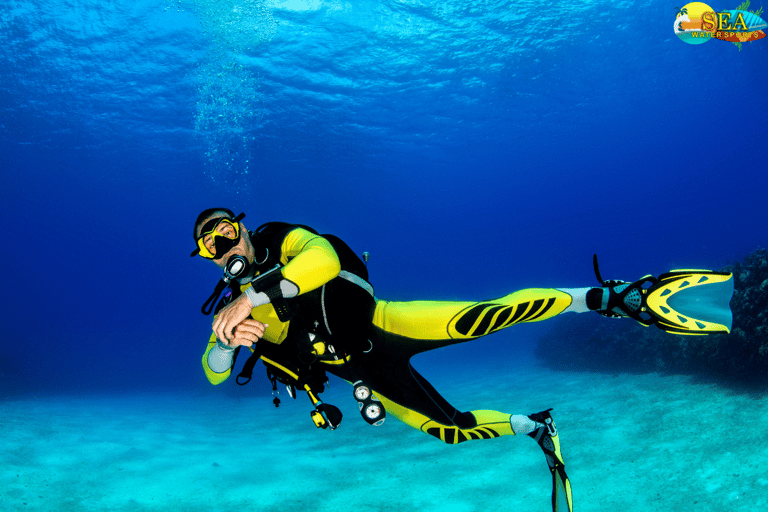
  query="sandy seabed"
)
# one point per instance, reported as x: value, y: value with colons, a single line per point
x: 631, y: 443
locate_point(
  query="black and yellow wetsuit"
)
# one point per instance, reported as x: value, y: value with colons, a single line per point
x: 379, y: 338
x: 322, y: 317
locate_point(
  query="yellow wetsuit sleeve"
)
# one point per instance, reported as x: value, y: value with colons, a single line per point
x: 213, y: 377
x: 309, y: 260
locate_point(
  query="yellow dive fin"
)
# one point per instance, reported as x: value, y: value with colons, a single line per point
x: 680, y: 301
x: 692, y: 301
x: 549, y: 441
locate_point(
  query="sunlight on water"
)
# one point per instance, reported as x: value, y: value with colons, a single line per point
x: 228, y: 104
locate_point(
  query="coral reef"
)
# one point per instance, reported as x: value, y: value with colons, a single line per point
x: 592, y: 343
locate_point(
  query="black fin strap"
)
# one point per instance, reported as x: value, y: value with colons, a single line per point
x: 617, y: 299
x: 209, y: 304
x: 597, y: 270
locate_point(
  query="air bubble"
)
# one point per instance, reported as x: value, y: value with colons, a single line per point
x: 229, y: 104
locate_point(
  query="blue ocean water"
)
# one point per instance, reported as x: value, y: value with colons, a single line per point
x: 472, y: 148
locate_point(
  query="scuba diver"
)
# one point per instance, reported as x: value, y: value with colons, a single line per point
x: 302, y: 304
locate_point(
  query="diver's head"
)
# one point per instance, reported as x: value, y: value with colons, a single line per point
x: 219, y: 236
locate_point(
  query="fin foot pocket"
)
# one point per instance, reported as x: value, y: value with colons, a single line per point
x: 548, y: 440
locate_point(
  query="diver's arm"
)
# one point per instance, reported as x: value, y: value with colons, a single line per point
x: 309, y: 262
x: 217, y: 360
x: 219, y: 357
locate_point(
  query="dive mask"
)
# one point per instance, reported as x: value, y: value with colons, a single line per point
x: 221, y: 235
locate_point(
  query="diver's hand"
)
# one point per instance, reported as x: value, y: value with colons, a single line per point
x: 248, y: 332
x: 230, y: 317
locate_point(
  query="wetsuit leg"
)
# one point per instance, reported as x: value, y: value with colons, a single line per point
x: 401, y: 330
x: 453, y: 322
x: 408, y: 396
x: 404, y: 329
